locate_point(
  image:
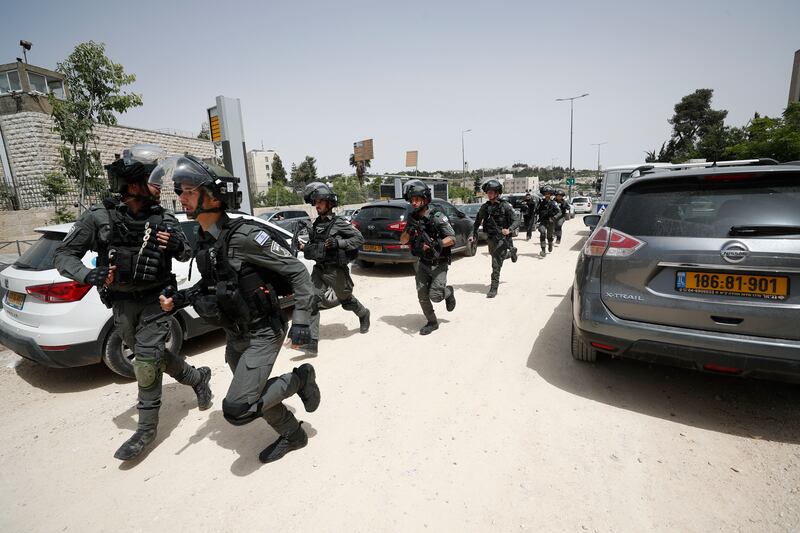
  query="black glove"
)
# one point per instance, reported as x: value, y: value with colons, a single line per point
x: 330, y: 242
x: 300, y: 334
x: 173, y: 244
x: 97, y: 276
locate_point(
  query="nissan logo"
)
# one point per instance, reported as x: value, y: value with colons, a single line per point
x: 371, y: 226
x: 734, y: 252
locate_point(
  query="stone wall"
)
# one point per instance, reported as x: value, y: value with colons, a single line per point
x: 32, y: 148
x: 19, y: 225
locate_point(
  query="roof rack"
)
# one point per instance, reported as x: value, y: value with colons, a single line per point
x: 649, y: 169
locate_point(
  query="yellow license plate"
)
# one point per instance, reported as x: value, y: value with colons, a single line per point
x: 15, y: 299
x: 748, y: 285
x: 373, y: 248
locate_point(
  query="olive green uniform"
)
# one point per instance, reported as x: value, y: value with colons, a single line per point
x: 330, y: 272
x: 251, y: 349
x: 134, y: 301
x: 496, y: 216
x: 431, y: 274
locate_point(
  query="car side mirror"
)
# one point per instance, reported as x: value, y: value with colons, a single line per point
x: 591, y: 220
x: 460, y: 214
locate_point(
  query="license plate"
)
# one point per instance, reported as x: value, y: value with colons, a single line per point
x: 373, y: 248
x: 747, y: 285
x: 15, y: 299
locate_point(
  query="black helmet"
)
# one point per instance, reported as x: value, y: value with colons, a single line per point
x: 316, y: 190
x: 134, y: 166
x: 416, y: 188
x: 492, y: 185
x: 191, y: 170
x: 546, y: 190
x: 560, y: 192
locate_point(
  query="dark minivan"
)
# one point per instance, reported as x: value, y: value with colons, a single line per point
x: 382, y: 223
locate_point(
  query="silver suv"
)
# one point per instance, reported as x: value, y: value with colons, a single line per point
x: 698, y: 268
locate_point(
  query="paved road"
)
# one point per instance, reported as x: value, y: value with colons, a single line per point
x: 485, y: 425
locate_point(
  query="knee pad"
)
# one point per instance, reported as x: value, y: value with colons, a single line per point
x: 239, y: 413
x: 146, y: 370
x: 350, y: 304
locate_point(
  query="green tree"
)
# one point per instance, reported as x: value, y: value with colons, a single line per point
x: 462, y: 193
x: 777, y: 138
x: 374, y: 187
x: 56, y: 186
x: 276, y: 195
x: 349, y: 190
x: 94, y: 94
x: 304, y: 173
x: 361, y: 168
x: 278, y: 172
x: 205, y: 132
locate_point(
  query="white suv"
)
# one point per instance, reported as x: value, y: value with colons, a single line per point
x: 58, y: 322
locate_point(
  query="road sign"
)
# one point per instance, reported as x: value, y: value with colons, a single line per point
x: 570, y: 181
x: 362, y: 150
x: 411, y: 158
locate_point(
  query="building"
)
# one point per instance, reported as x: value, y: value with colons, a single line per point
x: 29, y: 148
x: 794, y: 84
x: 259, y: 168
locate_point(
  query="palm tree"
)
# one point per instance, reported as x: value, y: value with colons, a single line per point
x: 360, y: 167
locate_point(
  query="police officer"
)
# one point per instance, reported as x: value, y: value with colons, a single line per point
x: 245, y: 268
x: 563, y: 216
x: 546, y: 213
x: 499, y: 221
x: 528, y: 214
x: 332, y: 243
x: 135, y: 240
x: 432, y: 238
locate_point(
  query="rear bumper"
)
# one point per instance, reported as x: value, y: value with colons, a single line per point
x: 400, y: 256
x: 688, y: 348
x: 88, y: 353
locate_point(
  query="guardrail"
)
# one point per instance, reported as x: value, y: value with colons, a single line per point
x: 6, y: 244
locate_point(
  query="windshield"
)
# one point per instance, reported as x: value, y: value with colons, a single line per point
x: 40, y: 255
x: 382, y: 212
x: 471, y: 209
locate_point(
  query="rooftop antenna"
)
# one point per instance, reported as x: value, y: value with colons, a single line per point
x: 26, y: 45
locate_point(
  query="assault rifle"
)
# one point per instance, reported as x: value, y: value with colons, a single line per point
x: 416, y: 231
x: 506, y: 248
x: 185, y: 300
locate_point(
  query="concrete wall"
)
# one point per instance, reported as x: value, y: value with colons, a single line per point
x: 32, y: 148
x: 18, y: 225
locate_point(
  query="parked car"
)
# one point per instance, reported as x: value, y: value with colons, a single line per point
x: 58, y: 322
x: 471, y: 210
x: 349, y: 214
x: 292, y: 220
x: 581, y: 204
x: 381, y: 223
x: 699, y: 268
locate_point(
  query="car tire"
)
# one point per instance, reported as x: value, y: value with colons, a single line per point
x: 580, y: 351
x: 471, y: 248
x: 119, y: 358
x: 365, y: 264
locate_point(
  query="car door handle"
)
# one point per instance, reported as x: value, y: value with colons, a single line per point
x: 727, y: 320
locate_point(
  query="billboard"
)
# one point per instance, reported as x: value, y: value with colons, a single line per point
x: 411, y: 158
x: 362, y: 150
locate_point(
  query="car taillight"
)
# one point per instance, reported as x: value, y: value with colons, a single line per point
x: 611, y: 243
x: 54, y: 293
x: 397, y: 226
x: 356, y: 224
x: 397, y: 246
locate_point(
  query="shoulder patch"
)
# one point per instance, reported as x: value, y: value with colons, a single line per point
x: 261, y: 237
x: 443, y: 218
x: 279, y: 250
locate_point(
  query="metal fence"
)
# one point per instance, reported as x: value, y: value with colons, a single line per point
x: 10, y: 247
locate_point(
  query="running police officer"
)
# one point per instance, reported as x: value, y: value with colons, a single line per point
x: 245, y: 268
x: 546, y: 213
x: 332, y: 243
x: 135, y: 240
x: 432, y: 239
x: 528, y: 214
x: 563, y: 215
x: 499, y: 222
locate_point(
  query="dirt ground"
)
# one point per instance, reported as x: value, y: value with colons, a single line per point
x: 485, y: 425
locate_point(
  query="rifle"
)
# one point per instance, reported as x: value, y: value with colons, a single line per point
x: 187, y: 297
x: 506, y: 242
x: 417, y: 232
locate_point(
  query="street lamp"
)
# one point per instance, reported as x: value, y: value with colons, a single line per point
x: 463, y: 161
x: 571, y: 99
x: 598, y: 161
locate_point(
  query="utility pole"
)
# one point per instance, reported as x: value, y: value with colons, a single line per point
x: 463, y: 160
x: 571, y: 100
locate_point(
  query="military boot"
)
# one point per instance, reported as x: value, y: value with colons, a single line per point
x: 450, y: 301
x: 513, y: 254
x: 312, y: 348
x: 492, y: 291
x: 550, y: 246
x: 543, y: 252
x: 558, y: 241
x: 284, y: 445
x: 428, y: 328
x: 135, y: 445
x: 202, y: 389
x: 308, y: 389
x: 363, y: 322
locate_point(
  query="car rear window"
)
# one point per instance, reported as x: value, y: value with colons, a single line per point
x: 696, y: 208
x: 381, y: 212
x: 40, y: 255
x: 580, y: 199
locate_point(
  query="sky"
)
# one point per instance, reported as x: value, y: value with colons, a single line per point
x: 315, y: 76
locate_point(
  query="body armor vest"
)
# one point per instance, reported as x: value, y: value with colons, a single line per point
x: 315, y: 249
x: 497, y: 218
x: 432, y: 232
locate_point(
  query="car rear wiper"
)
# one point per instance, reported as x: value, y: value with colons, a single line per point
x: 765, y: 229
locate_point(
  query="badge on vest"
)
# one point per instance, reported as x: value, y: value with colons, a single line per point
x: 279, y: 250
x: 262, y: 237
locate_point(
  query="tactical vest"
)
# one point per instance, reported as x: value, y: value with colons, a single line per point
x: 238, y: 298
x: 315, y: 249
x: 430, y: 229
x: 497, y: 218
x: 120, y: 240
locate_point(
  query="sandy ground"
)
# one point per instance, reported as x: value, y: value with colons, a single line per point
x: 485, y: 425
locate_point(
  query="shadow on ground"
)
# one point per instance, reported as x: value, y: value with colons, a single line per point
x: 409, y: 324
x: 379, y: 270
x: 477, y: 288
x: 744, y: 407
x: 64, y: 380
x: 247, y: 441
